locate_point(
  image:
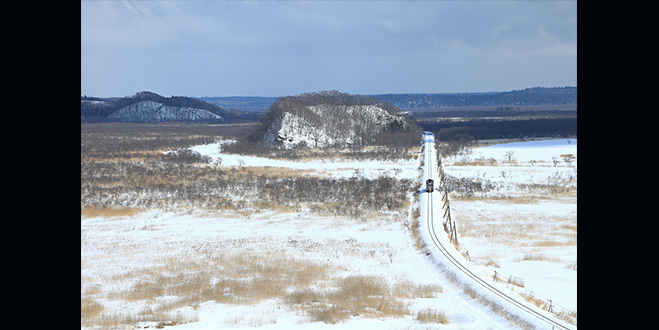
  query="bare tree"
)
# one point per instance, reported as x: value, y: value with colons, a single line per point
x: 509, y: 155
x: 568, y: 158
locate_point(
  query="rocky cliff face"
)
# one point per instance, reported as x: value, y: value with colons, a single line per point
x: 331, y: 125
x: 151, y: 111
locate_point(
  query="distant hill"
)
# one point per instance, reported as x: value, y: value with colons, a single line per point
x: 529, y: 96
x: 413, y: 101
x: 150, y: 107
x: 151, y: 111
x: 242, y: 103
x: 250, y: 108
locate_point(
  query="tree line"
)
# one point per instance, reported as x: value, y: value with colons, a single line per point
x: 481, y: 129
x: 499, y: 112
x: 528, y: 96
x: 338, y: 98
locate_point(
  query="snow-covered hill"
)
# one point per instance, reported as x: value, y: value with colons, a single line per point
x: 330, y: 125
x: 151, y: 111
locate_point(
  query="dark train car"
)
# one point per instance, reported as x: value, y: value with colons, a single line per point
x: 429, y: 185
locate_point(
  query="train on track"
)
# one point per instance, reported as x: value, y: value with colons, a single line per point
x: 430, y: 185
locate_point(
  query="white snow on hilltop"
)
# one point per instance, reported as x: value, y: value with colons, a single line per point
x: 151, y: 111
x: 330, y: 125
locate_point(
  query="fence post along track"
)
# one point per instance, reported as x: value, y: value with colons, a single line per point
x: 449, y: 226
x: 565, y: 319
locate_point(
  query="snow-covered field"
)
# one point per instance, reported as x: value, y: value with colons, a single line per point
x: 123, y: 258
x: 333, y: 168
x: 527, y: 232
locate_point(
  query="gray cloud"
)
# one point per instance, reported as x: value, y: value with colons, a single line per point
x: 283, y: 48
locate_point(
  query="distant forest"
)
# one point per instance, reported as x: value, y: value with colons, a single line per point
x: 529, y: 96
x: 493, y: 129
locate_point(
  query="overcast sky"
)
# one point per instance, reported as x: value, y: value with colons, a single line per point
x: 279, y: 48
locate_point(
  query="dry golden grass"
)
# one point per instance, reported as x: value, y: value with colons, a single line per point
x: 537, y: 257
x: 534, y: 300
x: 555, y: 243
x: 535, y: 196
x: 128, y: 156
x: 108, y: 212
x: 327, y: 313
x: 514, y: 280
x: 429, y: 315
x: 416, y: 235
x: 357, y: 295
x: 344, y: 154
x: 230, y: 277
x: 89, y: 308
x: 268, y: 171
x: 410, y: 290
x: 569, y: 316
x: 492, y: 263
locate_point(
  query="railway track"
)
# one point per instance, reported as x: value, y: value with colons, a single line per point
x: 459, y: 264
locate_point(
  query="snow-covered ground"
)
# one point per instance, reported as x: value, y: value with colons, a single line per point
x: 335, y: 168
x: 526, y: 233
x: 121, y: 253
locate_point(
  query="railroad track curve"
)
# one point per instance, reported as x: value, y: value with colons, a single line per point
x: 458, y: 264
